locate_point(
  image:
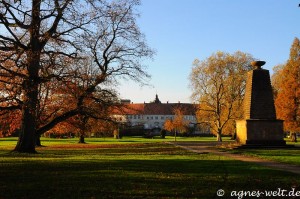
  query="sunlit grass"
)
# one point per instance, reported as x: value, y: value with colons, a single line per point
x: 140, y: 168
x: 11, y: 141
x: 290, y: 156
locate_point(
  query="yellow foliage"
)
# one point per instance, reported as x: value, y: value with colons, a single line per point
x: 218, y: 85
x: 178, y: 124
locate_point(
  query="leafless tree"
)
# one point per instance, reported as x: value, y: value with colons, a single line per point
x: 49, y: 42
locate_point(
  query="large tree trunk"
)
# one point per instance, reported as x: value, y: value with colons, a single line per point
x: 38, y: 140
x: 27, y: 137
x: 81, y: 139
x: 83, y: 128
x: 219, y: 136
x: 233, y: 136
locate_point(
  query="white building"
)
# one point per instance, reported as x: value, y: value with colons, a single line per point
x: 153, y: 114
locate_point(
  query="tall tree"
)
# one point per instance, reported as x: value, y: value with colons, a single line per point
x: 218, y: 85
x: 51, y: 41
x: 286, y: 81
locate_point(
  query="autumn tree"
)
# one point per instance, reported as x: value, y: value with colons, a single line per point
x: 218, y: 85
x: 178, y: 124
x: 168, y: 125
x: 64, y: 99
x: 103, y: 128
x: 10, y: 94
x: 49, y: 43
x: 286, y: 82
x: 9, y: 122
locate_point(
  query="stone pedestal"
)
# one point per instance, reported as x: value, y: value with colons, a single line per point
x: 259, y: 126
x: 260, y: 132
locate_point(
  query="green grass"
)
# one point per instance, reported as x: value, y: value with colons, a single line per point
x: 284, y: 155
x: 289, y: 156
x: 135, y: 168
x: 10, y: 141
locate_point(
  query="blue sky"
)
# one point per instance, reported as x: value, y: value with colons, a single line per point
x: 182, y: 30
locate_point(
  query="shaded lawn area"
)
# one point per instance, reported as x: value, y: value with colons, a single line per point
x: 132, y: 170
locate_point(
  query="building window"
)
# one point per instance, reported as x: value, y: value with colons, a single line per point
x: 151, y: 118
x: 156, y: 118
x: 147, y: 118
x: 162, y: 117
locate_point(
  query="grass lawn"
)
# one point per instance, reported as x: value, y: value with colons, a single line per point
x: 288, y: 155
x: 10, y: 142
x: 128, y: 168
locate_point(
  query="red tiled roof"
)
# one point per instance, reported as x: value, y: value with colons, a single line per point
x: 156, y: 109
x: 129, y: 109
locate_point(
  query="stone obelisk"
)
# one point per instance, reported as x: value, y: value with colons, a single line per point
x: 259, y: 126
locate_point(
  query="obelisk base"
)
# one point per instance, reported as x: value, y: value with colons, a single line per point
x: 260, y: 132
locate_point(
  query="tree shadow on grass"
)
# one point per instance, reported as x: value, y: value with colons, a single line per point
x: 131, y: 178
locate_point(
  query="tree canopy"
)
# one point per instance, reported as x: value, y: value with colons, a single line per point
x: 286, y: 82
x: 57, y: 57
x: 178, y: 123
x: 218, y: 85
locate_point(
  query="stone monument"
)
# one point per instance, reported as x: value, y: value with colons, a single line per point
x: 259, y: 126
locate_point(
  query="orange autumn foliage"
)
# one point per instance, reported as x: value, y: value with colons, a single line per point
x: 10, y: 122
x: 286, y: 82
x: 178, y: 124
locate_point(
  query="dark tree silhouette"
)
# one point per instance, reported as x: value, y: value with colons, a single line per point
x: 45, y: 47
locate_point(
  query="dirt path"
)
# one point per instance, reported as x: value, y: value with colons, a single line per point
x: 210, y: 147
